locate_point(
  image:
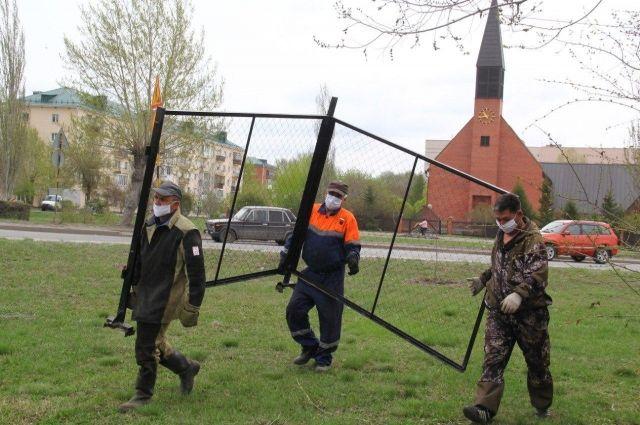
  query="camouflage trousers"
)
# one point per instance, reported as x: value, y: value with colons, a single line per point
x: 151, y: 348
x: 529, y: 329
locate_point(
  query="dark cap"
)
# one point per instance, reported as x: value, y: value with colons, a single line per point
x: 341, y: 188
x: 168, y: 188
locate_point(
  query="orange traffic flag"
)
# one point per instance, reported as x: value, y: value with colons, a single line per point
x: 156, y: 99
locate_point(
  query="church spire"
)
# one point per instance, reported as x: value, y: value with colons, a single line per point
x: 490, y: 65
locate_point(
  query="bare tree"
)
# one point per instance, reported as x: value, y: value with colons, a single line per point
x: 86, y: 153
x: 124, y: 44
x: 386, y: 23
x: 610, y: 57
x: 322, y: 103
x: 12, y: 122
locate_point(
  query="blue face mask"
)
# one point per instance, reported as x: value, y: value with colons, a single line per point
x: 332, y: 203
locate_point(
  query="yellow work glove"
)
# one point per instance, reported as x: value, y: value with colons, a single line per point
x: 476, y: 285
x: 511, y: 303
x: 188, y: 315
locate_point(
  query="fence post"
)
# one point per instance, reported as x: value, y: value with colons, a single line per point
x: 311, y: 188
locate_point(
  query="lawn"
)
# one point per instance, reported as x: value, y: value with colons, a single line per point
x: 59, y: 365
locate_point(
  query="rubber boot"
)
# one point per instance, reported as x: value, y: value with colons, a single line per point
x: 186, y: 369
x: 140, y: 398
x: 144, y: 387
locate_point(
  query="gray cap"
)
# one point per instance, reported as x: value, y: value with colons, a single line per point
x: 168, y: 188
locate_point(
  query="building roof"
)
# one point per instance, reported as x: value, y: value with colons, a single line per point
x: 597, y: 180
x: 432, y: 148
x: 62, y: 96
x: 582, y: 155
x: 260, y: 162
x: 66, y: 97
x: 220, y: 137
x: 491, y: 47
x: 552, y: 154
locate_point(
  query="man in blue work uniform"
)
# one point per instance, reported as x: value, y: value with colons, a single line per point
x: 332, y: 240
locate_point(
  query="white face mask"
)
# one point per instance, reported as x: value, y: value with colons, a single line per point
x: 332, y: 203
x: 161, y: 210
x: 509, y: 226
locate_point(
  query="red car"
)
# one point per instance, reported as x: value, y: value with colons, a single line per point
x: 580, y: 239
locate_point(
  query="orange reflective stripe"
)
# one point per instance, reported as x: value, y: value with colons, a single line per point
x: 351, y: 234
x: 343, y: 223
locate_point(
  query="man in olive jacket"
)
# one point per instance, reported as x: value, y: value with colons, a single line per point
x: 168, y: 283
x: 517, y: 304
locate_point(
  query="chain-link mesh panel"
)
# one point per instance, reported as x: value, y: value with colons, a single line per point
x: 406, y: 255
x: 243, y: 177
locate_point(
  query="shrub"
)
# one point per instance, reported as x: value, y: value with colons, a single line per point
x: 15, y: 210
x: 97, y: 205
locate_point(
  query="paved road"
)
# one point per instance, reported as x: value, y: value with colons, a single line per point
x: 69, y: 235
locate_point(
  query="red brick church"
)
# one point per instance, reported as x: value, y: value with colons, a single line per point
x: 486, y: 147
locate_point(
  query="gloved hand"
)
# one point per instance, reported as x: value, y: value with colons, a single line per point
x: 511, y: 303
x: 132, y: 299
x: 188, y: 314
x: 476, y: 285
x: 353, y: 260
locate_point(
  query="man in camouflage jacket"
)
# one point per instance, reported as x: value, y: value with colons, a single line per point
x: 518, y: 313
x: 169, y: 284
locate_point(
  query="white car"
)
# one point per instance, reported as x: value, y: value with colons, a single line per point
x: 51, y: 202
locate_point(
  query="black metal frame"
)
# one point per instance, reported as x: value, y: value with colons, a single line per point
x: 292, y: 258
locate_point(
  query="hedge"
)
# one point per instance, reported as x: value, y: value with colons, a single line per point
x: 16, y: 210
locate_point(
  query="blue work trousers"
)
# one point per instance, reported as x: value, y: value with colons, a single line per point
x: 303, y: 299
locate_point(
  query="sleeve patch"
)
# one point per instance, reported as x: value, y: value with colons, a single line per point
x: 195, y: 250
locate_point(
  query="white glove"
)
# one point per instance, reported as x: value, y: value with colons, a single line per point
x: 511, y: 303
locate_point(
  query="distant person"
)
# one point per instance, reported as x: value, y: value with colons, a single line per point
x: 332, y: 240
x: 423, y: 226
x: 169, y: 284
x: 518, y: 313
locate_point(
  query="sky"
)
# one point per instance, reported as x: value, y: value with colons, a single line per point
x: 270, y: 63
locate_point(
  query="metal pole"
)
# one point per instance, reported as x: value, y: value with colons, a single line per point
x: 311, y: 188
x: 151, y: 151
x: 235, y: 197
x: 393, y: 238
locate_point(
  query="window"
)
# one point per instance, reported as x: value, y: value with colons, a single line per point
x: 275, y: 217
x: 121, y: 180
x: 574, y: 229
x: 484, y: 140
x: 603, y: 230
x: 55, y: 118
x: 590, y: 229
x: 489, y: 82
x: 55, y: 137
x: 260, y: 216
x: 480, y: 200
x: 290, y: 215
x: 208, y: 151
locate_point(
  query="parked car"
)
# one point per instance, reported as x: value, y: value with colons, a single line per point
x: 256, y: 223
x: 51, y: 202
x: 580, y: 239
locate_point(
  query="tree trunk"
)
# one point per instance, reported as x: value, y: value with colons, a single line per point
x: 133, y: 195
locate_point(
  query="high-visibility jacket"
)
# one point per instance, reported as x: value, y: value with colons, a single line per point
x: 331, y: 237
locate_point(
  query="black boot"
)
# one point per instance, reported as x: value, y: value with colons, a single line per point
x: 306, y: 355
x: 144, y: 387
x: 186, y: 369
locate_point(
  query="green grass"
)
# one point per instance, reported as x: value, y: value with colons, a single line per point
x: 443, y: 241
x: 59, y: 365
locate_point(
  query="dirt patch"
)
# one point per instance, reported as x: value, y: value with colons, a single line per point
x: 428, y: 281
